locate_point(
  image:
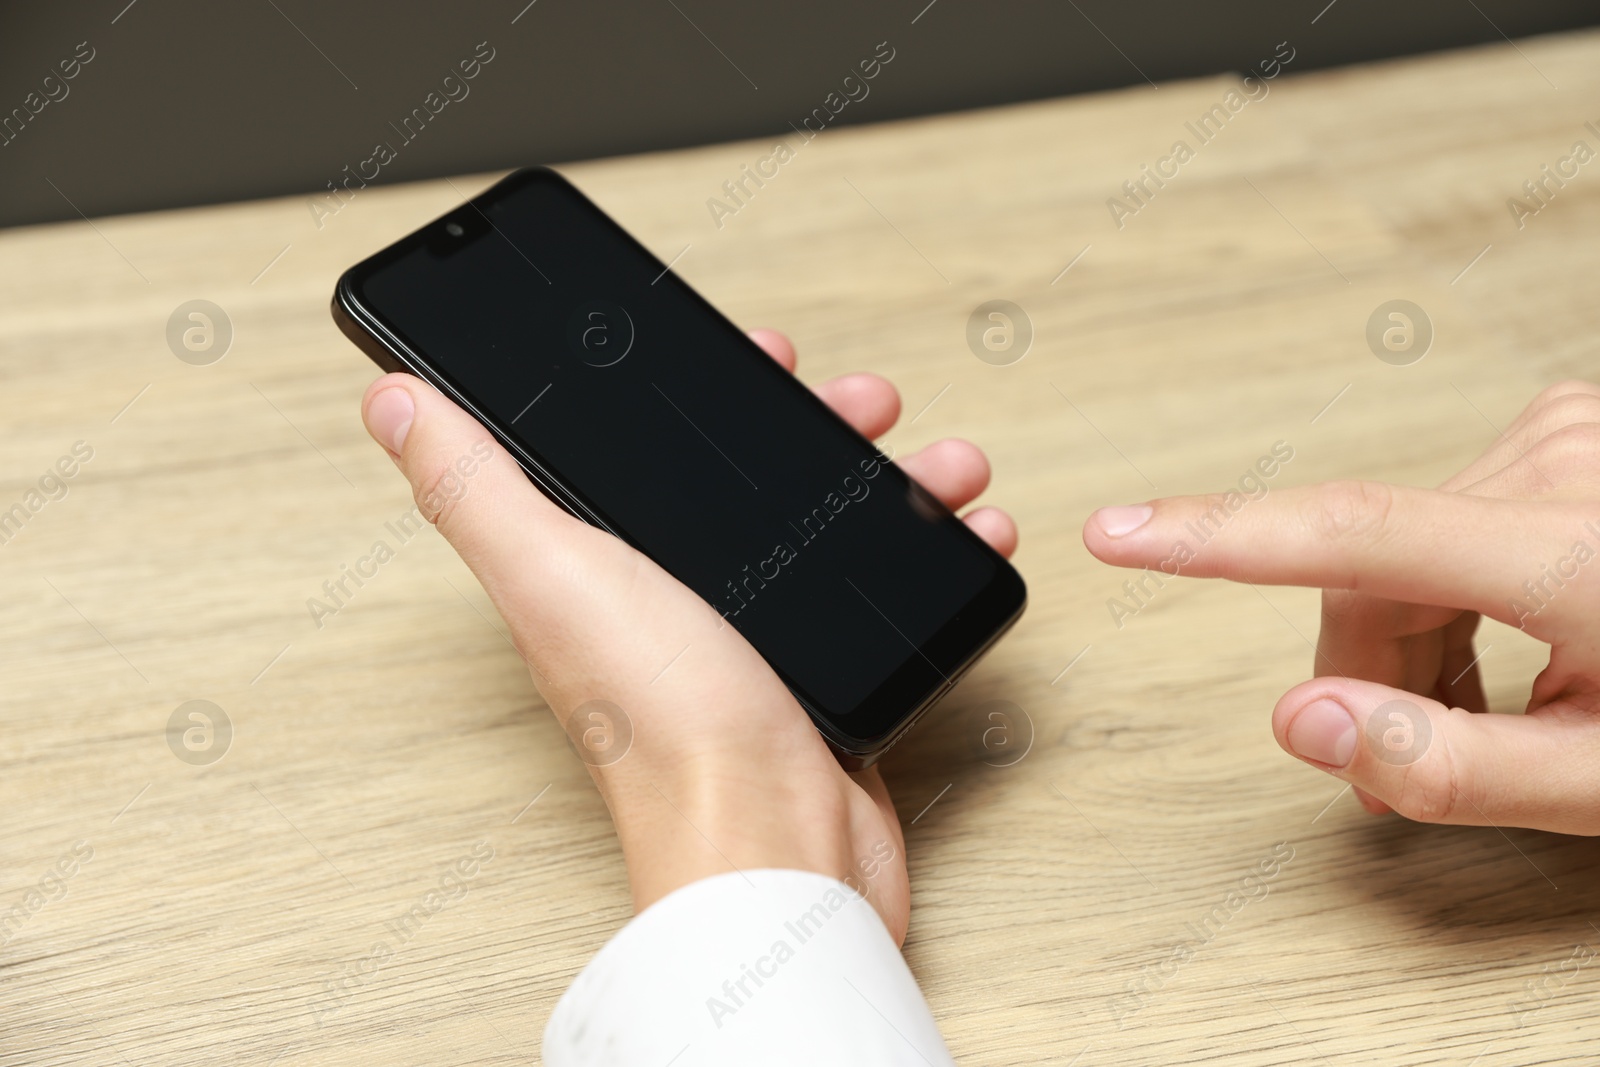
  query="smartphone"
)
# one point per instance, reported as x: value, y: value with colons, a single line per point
x: 634, y: 404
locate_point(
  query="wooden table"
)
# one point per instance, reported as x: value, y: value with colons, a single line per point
x: 221, y: 899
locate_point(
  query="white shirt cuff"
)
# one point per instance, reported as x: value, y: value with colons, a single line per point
x: 763, y: 966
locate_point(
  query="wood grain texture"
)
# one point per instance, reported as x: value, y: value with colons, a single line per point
x: 372, y: 753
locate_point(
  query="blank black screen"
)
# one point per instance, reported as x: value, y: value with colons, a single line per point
x: 686, y: 439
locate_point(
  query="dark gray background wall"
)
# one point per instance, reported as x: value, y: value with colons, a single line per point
x: 199, y: 101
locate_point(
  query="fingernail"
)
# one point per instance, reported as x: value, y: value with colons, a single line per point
x: 389, y: 417
x: 1115, y: 522
x: 1324, y: 732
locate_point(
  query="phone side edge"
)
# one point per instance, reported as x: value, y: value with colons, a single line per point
x: 394, y: 358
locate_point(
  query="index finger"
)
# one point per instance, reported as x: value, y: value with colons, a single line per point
x: 1422, y: 546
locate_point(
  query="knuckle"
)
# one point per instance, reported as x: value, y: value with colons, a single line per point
x: 1572, y: 387
x: 1571, y: 442
x: 1351, y: 511
x: 1429, y: 792
x: 1348, y: 609
x: 438, y: 489
x: 1570, y: 408
x: 1341, y: 607
x: 1560, y: 405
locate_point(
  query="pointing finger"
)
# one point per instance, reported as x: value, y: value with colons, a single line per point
x: 1422, y: 546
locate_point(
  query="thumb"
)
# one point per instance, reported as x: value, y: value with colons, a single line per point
x: 472, y: 490
x: 1447, y: 765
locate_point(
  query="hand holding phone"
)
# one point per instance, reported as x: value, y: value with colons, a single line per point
x: 724, y: 767
x: 640, y: 409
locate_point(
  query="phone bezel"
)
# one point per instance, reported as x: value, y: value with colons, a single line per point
x: 969, y: 632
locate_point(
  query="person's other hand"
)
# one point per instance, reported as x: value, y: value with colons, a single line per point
x: 726, y: 770
x: 1397, y: 709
